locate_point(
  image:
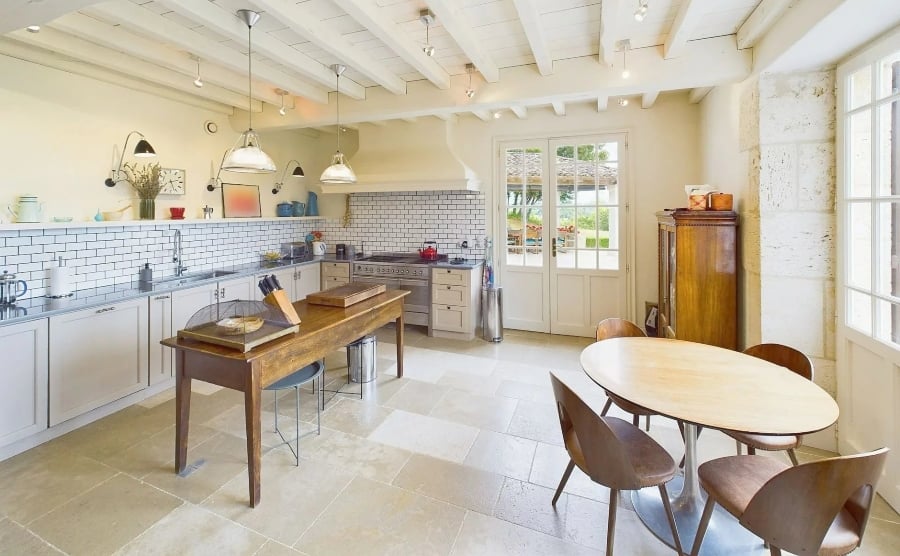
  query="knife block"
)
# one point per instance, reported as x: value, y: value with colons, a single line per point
x: 280, y: 301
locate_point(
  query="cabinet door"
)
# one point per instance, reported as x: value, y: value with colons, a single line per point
x: 161, y: 357
x: 450, y: 318
x: 187, y: 302
x: 306, y: 281
x: 285, y: 278
x: 23, y: 380
x: 238, y: 288
x: 97, y: 356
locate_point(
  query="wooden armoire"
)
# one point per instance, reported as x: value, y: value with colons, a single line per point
x: 698, y: 276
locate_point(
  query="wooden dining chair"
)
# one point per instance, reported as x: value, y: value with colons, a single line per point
x: 613, y: 453
x: 621, y: 328
x: 794, y: 360
x: 820, y: 507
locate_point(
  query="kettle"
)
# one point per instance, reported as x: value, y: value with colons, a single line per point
x: 28, y: 209
x: 430, y: 252
x: 8, y: 288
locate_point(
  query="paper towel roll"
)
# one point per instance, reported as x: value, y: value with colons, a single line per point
x: 60, y: 281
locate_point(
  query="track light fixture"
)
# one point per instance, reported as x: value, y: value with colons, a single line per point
x: 625, y: 45
x: 198, y: 82
x: 641, y: 12
x: 470, y: 92
x: 426, y: 16
x: 282, y: 92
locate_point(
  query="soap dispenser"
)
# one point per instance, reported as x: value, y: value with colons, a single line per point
x: 146, y: 274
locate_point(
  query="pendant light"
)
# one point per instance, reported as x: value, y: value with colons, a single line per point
x: 339, y: 171
x: 198, y: 82
x: 427, y: 17
x: 246, y: 155
x: 470, y: 92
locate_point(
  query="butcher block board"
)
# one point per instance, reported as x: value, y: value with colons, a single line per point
x: 212, y: 333
x: 345, y: 296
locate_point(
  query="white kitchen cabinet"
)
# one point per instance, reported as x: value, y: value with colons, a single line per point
x: 236, y: 288
x: 97, y: 356
x: 285, y: 277
x: 161, y: 358
x: 23, y: 380
x: 454, y: 302
x: 335, y: 274
x: 308, y: 280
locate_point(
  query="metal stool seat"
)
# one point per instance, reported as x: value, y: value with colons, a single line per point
x: 312, y: 372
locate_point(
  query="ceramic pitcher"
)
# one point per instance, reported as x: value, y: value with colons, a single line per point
x: 28, y: 209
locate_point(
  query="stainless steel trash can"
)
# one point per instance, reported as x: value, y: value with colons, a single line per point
x: 492, y: 314
x: 361, y: 359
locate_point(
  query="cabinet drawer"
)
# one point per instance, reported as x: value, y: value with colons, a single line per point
x: 333, y: 281
x: 450, y: 318
x: 336, y: 269
x: 450, y: 295
x: 450, y: 276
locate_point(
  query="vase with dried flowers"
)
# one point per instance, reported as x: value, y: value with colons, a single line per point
x: 145, y: 181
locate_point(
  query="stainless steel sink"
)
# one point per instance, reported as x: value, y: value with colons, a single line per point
x: 173, y: 281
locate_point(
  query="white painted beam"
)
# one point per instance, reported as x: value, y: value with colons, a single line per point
x: 302, y: 19
x: 43, y: 57
x: 117, y: 38
x: 602, y: 103
x: 530, y: 19
x: 760, y: 21
x: 648, y: 99
x: 392, y: 35
x: 379, y: 123
x: 690, y: 12
x: 520, y: 111
x: 483, y: 115
x: 59, y: 42
x: 698, y: 94
x: 410, y: 120
x: 449, y: 13
x: 146, y: 22
x: 18, y: 14
x: 559, y: 108
x: 447, y: 117
x: 610, y: 30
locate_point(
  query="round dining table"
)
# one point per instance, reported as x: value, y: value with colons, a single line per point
x: 713, y: 387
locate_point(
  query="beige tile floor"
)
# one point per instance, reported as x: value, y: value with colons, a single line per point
x: 461, y: 456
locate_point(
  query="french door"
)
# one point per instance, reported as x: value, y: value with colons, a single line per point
x: 563, y: 217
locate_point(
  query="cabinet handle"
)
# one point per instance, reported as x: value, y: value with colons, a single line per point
x: 223, y: 292
x: 448, y: 307
x: 160, y: 297
x: 216, y: 294
x: 448, y: 287
x: 105, y: 310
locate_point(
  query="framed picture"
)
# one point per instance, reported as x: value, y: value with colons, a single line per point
x: 240, y: 201
x: 171, y: 181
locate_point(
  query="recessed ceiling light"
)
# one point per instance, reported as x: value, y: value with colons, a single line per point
x: 34, y: 28
x: 623, y: 102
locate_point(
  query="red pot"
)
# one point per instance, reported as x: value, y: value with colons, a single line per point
x: 429, y: 251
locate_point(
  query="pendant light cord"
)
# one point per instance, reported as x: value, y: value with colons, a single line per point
x: 337, y: 98
x: 250, y: 77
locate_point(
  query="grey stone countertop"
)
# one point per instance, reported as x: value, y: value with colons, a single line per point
x: 469, y: 264
x: 41, y: 307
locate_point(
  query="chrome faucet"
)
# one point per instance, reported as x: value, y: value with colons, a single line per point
x: 177, y: 256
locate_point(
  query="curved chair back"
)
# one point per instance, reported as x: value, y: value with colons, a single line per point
x: 794, y: 510
x: 604, y: 455
x: 785, y: 356
x: 618, y: 328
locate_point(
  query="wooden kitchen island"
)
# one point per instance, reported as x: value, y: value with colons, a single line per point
x: 323, y: 329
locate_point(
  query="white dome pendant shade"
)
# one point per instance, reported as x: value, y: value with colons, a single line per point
x: 246, y: 155
x: 339, y: 171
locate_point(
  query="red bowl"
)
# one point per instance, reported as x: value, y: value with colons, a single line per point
x: 176, y: 212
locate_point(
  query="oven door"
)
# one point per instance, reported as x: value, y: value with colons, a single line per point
x: 419, y: 298
x: 391, y: 283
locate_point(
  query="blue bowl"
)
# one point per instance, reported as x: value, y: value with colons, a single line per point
x: 284, y: 209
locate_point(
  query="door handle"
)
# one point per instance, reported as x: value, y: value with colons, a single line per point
x: 553, y: 248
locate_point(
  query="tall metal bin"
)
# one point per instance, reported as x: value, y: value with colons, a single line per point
x: 492, y: 314
x: 361, y: 359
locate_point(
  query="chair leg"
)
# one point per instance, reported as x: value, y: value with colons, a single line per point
x: 563, y: 481
x: 636, y: 420
x: 737, y: 444
x: 606, y: 407
x: 774, y: 551
x: 793, y: 456
x: 611, y: 524
x: 297, y: 430
x: 664, y: 493
x: 751, y: 451
x: 647, y: 428
x: 704, y: 523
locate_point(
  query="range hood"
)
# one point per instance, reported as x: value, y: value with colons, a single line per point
x: 402, y: 156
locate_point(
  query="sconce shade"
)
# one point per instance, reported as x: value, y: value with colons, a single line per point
x: 248, y: 157
x: 144, y: 149
x: 339, y: 171
x: 298, y: 172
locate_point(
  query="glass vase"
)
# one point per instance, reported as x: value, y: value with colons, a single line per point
x: 147, y: 209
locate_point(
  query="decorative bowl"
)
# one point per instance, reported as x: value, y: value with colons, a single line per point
x: 271, y: 256
x: 62, y: 218
x: 240, y: 325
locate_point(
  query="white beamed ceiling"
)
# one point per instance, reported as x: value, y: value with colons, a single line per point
x: 528, y: 54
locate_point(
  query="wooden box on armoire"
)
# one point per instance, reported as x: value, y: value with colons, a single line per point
x: 698, y: 276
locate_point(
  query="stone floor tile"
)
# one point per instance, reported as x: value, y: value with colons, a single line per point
x: 537, y: 421
x: 461, y: 485
x: 501, y: 453
x: 353, y: 416
x: 416, y: 397
x: 531, y: 506
x: 483, y: 535
x: 18, y: 539
x: 426, y: 435
x: 353, y: 454
x: 485, y: 412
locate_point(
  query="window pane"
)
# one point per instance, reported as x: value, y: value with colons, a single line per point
x: 609, y: 260
x: 859, y: 311
x: 889, y: 150
x: 565, y: 193
x: 587, y: 195
x: 859, y: 246
x: 609, y: 226
x: 608, y: 152
x: 886, y: 247
x: 533, y: 194
x: 587, y: 259
x: 889, y: 68
x: 887, y: 321
x: 609, y: 179
x: 587, y: 228
x: 860, y: 141
x: 861, y: 87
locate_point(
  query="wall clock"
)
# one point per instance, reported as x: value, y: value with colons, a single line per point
x: 171, y: 181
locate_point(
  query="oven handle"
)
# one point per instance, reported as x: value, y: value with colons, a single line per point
x: 415, y: 282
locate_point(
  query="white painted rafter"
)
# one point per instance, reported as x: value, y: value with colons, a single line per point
x: 483, y: 115
x: 760, y: 21
x: 698, y: 94
x: 610, y: 31
x: 393, y: 36
x: 559, y: 108
x: 450, y: 14
x: 146, y: 22
x: 690, y: 12
x: 648, y: 99
x: 530, y: 19
x: 602, y: 103
x: 520, y: 111
x: 303, y: 20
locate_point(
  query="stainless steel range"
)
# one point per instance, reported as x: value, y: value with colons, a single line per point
x: 402, y: 271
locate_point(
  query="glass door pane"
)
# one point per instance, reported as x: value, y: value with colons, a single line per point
x: 524, y: 175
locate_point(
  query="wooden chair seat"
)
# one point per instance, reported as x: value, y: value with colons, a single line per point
x: 733, y: 481
x: 765, y: 442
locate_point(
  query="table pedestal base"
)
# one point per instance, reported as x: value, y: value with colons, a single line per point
x: 725, y: 536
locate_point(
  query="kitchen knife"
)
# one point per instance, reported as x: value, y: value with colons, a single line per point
x: 270, y: 282
x: 275, y: 281
x: 264, y: 287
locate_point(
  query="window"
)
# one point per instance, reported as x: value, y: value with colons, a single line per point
x: 869, y: 112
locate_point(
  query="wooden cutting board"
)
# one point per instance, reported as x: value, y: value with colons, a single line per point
x: 344, y: 296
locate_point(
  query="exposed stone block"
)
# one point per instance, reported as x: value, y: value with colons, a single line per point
x: 748, y: 118
x: 777, y: 177
x: 752, y: 197
x: 816, y: 176
x: 793, y: 313
x: 797, y: 107
x: 749, y: 235
x: 797, y: 244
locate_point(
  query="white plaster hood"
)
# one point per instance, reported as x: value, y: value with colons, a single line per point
x: 401, y: 156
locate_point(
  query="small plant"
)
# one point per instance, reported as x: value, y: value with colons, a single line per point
x: 144, y: 179
x: 317, y: 235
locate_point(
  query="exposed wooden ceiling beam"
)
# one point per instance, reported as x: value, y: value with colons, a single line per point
x: 450, y: 15
x: 530, y: 19
x: 117, y: 38
x: 559, y: 108
x: 62, y: 43
x: 698, y: 94
x: 520, y: 111
x: 146, y: 22
x: 759, y: 22
x: 690, y: 12
x: 370, y: 16
x: 610, y: 30
x: 18, y: 14
x: 304, y: 20
x: 482, y: 115
x: 53, y: 60
x: 602, y: 103
x: 648, y: 99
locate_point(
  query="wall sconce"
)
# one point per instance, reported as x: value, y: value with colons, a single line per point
x: 143, y: 149
x: 297, y: 173
x: 215, y: 182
